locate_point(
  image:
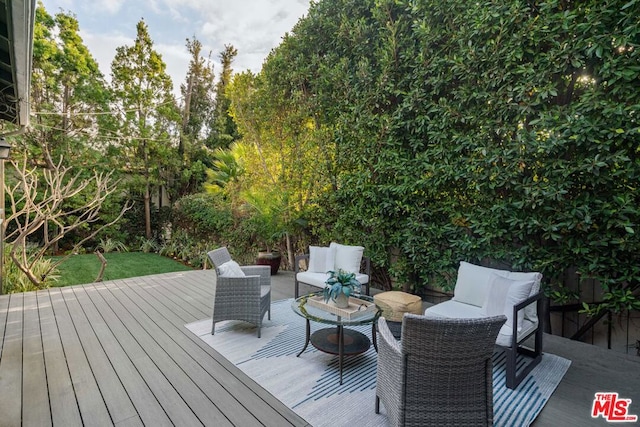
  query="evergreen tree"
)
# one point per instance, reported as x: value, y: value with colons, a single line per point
x: 197, y: 112
x: 148, y: 117
x: 68, y: 95
x: 224, y: 130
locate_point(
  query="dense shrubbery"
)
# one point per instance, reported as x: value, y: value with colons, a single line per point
x: 205, y: 215
x: 504, y: 131
x: 202, y: 222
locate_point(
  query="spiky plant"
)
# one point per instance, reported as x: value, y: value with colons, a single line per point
x: 340, y: 282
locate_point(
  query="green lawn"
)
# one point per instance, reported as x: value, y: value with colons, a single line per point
x: 80, y: 269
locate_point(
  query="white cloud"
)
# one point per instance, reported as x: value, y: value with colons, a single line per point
x: 177, y: 59
x: 112, y: 7
x: 103, y: 48
x: 253, y: 27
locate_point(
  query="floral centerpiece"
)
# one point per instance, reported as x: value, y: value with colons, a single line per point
x: 339, y: 286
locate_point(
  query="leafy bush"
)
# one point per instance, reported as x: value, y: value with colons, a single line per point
x: 204, y: 221
x: 148, y: 245
x: 14, y: 280
x: 203, y: 214
x: 503, y: 131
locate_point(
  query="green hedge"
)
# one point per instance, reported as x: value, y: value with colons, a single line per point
x: 503, y: 130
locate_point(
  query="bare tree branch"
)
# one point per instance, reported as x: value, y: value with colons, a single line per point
x: 35, y: 204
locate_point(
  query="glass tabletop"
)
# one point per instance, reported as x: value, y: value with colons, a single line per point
x: 362, y: 309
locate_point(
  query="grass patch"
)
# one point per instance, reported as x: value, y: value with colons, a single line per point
x: 81, y: 269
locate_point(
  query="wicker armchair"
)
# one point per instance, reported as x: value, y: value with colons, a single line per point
x: 241, y: 298
x: 440, y: 373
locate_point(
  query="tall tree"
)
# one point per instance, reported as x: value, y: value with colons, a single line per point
x: 284, y: 149
x: 224, y: 130
x: 69, y: 99
x: 197, y: 112
x: 148, y: 116
x: 68, y: 94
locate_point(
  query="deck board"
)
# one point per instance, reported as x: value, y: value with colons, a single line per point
x: 197, y: 358
x: 173, y: 361
x: 90, y: 401
x: 62, y: 398
x: 149, y: 410
x: 148, y: 361
x: 178, y: 299
x: 11, y: 363
x: 118, y: 403
x: 593, y: 369
x: 35, y: 378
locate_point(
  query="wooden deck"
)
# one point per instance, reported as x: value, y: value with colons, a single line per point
x: 117, y: 353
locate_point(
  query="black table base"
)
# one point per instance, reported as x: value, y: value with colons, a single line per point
x: 328, y: 341
x: 339, y: 341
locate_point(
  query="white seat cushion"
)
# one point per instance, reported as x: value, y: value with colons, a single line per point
x: 310, y: 278
x: 319, y: 279
x: 458, y: 310
x: 230, y: 269
x: 362, y: 278
x: 454, y: 309
x: 504, y: 336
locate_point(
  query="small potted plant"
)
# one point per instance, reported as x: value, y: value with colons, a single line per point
x: 339, y: 286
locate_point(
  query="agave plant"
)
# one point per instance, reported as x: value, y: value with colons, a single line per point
x: 340, y: 282
x: 149, y: 245
x: 112, y: 245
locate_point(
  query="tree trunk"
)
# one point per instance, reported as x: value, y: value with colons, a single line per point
x: 147, y: 212
x: 103, y: 265
x: 185, y: 118
x: 290, y: 255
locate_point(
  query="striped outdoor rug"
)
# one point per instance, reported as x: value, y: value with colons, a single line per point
x: 309, y: 384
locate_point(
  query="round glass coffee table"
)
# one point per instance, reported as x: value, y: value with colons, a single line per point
x: 338, y: 339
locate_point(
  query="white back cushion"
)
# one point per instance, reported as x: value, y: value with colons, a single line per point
x: 531, y: 311
x: 495, y: 300
x: 321, y: 259
x: 474, y: 282
x: 503, y: 295
x: 347, y: 258
x: 230, y: 269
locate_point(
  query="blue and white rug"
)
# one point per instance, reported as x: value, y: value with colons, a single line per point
x: 309, y: 384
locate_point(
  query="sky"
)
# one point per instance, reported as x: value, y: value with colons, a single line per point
x: 253, y: 27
